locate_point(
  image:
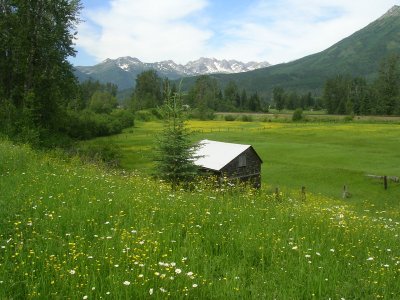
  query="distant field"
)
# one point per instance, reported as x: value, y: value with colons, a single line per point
x: 323, y: 157
x: 316, y: 115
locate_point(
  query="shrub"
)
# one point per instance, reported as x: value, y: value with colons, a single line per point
x: 349, y: 118
x: 247, y: 118
x: 297, y: 115
x: 105, y: 152
x: 144, y: 115
x: 126, y: 118
x: 156, y: 113
x: 230, y: 117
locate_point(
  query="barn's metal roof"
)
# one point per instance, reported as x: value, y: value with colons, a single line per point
x: 215, y: 155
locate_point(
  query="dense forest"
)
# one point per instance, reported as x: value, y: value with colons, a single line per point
x: 41, y: 101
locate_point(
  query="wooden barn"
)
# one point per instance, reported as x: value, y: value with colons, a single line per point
x: 233, y: 161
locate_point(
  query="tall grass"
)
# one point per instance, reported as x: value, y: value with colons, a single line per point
x: 78, y: 231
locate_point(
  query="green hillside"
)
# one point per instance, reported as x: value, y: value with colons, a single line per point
x: 358, y: 55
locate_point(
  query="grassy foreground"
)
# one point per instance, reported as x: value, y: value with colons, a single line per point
x: 81, y: 232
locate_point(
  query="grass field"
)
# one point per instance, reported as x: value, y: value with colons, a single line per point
x: 77, y: 231
x: 323, y: 157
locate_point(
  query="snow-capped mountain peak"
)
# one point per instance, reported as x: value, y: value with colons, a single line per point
x: 201, y: 66
x: 124, y: 69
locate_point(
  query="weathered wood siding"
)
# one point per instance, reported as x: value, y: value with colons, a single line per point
x: 251, y: 172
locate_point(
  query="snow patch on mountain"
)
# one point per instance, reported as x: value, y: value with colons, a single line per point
x: 201, y: 66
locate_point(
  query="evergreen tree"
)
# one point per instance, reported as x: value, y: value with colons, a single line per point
x: 175, y: 152
x: 243, y: 100
x: 254, y: 103
x: 147, y: 93
x: 203, y: 96
x: 278, y: 97
x: 231, y: 94
x: 336, y: 94
x: 388, y: 86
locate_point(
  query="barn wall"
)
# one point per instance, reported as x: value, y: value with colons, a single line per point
x: 251, y: 172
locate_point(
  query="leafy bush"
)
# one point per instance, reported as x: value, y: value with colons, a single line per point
x: 156, y: 113
x: 230, y: 117
x: 247, y: 118
x: 105, y: 152
x: 144, y: 115
x: 87, y: 124
x: 126, y: 117
x: 206, y: 114
x: 297, y: 115
x: 349, y: 118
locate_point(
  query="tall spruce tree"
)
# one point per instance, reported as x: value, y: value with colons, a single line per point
x: 174, y: 150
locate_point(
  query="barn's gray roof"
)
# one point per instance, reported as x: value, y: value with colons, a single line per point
x: 215, y: 155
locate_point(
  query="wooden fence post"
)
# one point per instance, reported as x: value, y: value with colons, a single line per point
x: 344, y: 195
x: 303, y: 193
x: 277, y: 194
x: 385, y: 182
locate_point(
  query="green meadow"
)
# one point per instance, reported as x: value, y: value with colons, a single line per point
x: 82, y: 231
x: 322, y: 156
x: 70, y: 229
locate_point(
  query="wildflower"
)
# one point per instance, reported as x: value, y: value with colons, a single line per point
x: 194, y: 285
x: 151, y: 291
x: 307, y: 255
x: 140, y: 275
x: 370, y: 258
x: 295, y: 248
x: 178, y: 271
x: 72, y: 272
x: 189, y: 273
x: 332, y: 250
x: 163, y: 290
x: 126, y: 282
x: 85, y: 297
x: 319, y: 254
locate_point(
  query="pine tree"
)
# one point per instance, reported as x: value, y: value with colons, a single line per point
x: 174, y: 151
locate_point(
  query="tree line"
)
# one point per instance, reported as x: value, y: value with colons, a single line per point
x: 355, y: 95
x: 41, y: 101
x: 347, y: 95
x: 203, y: 98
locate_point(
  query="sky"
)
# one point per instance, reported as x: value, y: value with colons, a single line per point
x: 275, y: 31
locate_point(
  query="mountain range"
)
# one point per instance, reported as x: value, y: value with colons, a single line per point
x: 123, y: 71
x: 360, y: 54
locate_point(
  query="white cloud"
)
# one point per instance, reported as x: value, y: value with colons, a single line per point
x: 290, y: 29
x: 183, y: 30
x: 148, y: 29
